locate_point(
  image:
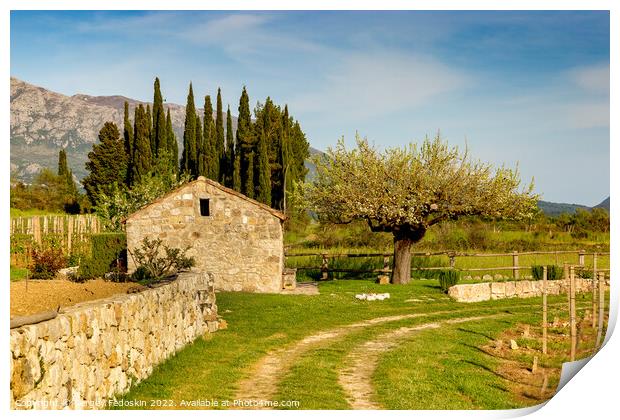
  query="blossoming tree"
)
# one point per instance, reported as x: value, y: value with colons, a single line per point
x: 407, y: 190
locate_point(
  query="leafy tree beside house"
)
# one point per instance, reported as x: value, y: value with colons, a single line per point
x: 107, y: 162
x: 407, y: 190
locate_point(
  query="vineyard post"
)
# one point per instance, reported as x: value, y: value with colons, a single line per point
x: 515, y: 265
x: 601, y: 307
x: 544, y: 323
x: 324, y: 268
x: 573, y: 323
x: 567, y: 283
x: 594, y: 289
x: 386, y: 264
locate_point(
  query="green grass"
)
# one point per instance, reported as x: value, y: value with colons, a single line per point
x: 34, y: 212
x: 434, y: 369
x: 18, y: 273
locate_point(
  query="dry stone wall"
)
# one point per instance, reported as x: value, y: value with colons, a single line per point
x: 96, y: 350
x: 240, y: 241
x: 478, y: 292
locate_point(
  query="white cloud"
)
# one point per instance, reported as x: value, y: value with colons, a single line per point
x: 380, y: 83
x: 593, y: 79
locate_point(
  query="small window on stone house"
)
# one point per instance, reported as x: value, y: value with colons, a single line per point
x: 204, y: 207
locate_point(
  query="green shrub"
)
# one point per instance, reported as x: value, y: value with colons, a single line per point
x: 153, y: 265
x: 448, y: 278
x: 554, y: 272
x: 108, y: 254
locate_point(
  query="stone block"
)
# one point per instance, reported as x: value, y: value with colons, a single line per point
x: 498, y: 290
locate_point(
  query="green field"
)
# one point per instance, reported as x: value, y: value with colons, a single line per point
x: 441, y: 368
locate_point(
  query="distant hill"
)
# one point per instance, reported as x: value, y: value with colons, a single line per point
x: 603, y: 204
x: 555, y: 209
x: 311, y: 167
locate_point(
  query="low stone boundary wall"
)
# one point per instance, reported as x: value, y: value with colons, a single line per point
x: 478, y: 292
x: 96, y: 350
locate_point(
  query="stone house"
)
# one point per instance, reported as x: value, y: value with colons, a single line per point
x: 234, y: 237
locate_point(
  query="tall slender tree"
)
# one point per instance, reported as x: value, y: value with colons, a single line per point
x: 230, y: 151
x: 149, y: 124
x: 244, y: 144
x: 63, y: 169
x: 159, y: 134
x: 173, y: 146
x: 219, y: 139
x: 188, y: 161
x: 249, y: 176
x: 199, y: 143
x: 128, y: 141
x: 263, y: 185
x: 142, y: 153
x: 236, y: 180
x: 210, y: 161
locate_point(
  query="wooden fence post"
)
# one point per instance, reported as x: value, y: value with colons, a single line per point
x: 601, y: 308
x: 544, y: 324
x: 573, y: 323
x: 452, y: 260
x: 515, y: 264
x: 594, y: 287
x: 36, y: 229
x: 324, y: 268
x: 69, y: 234
x: 386, y: 264
x: 567, y: 283
x: 582, y: 257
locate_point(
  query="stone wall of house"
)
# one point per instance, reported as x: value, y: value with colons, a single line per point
x: 96, y: 350
x: 240, y: 242
x: 478, y: 292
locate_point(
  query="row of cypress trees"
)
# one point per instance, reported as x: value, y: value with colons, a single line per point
x: 261, y: 160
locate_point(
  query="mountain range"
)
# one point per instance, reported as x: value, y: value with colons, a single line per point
x: 43, y: 122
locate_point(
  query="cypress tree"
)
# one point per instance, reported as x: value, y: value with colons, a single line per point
x: 150, y: 132
x: 128, y: 141
x: 65, y: 173
x: 249, y: 176
x: 219, y: 139
x: 107, y: 162
x: 230, y: 151
x: 188, y: 161
x: 159, y: 121
x: 142, y: 153
x: 199, y: 141
x: 63, y: 169
x: 287, y: 167
x: 244, y: 145
x: 209, y: 162
x: 236, y: 179
x: 263, y: 187
x: 173, y: 147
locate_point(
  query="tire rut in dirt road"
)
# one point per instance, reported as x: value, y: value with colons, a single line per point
x: 361, y: 362
x: 262, y: 383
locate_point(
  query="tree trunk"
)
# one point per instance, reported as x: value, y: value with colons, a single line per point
x: 401, y: 273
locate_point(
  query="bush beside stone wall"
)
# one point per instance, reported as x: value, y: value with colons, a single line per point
x: 99, y: 349
x: 479, y: 292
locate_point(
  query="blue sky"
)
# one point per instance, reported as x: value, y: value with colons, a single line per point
x: 526, y: 87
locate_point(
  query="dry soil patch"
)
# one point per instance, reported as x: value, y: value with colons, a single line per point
x: 34, y: 296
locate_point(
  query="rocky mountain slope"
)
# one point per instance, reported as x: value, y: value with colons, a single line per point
x: 43, y: 122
